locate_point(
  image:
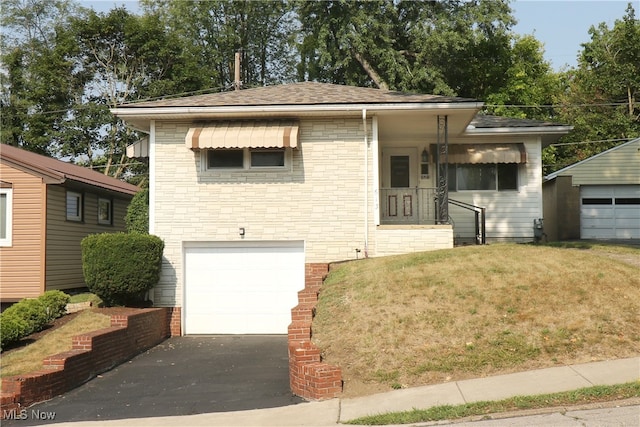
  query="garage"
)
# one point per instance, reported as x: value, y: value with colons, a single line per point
x: 610, y: 212
x: 241, y: 288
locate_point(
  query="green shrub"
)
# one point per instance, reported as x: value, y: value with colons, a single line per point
x: 119, y: 267
x: 55, y: 303
x: 32, y: 311
x: 31, y: 315
x: 12, y: 329
x: 137, y: 217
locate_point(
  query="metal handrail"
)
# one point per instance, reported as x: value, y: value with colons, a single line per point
x: 481, y: 233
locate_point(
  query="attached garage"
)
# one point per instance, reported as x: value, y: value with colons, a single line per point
x: 610, y: 212
x: 241, y: 287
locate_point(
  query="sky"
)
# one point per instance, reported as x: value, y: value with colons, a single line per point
x: 561, y: 25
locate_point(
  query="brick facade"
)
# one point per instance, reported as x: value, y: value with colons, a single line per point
x: 309, y: 377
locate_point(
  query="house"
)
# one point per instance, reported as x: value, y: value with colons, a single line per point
x: 597, y: 198
x: 46, y: 208
x: 249, y: 187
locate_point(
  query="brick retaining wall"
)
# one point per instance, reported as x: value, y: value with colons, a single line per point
x: 132, y: 331
x: 309, y: 377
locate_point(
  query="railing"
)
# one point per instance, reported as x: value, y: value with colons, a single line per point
x: 480, y: 222
x: 408, y: 205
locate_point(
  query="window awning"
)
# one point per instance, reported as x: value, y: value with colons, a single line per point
x: 487, y: 153
x: 244, y: 134
x: 138, y: 149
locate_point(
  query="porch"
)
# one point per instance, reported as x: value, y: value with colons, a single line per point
x: 417, y: 208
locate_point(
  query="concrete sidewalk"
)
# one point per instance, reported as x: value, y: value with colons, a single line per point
x: 332, y: 412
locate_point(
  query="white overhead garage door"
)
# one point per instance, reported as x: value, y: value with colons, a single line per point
x: 247, y: 288
x: 610, y: 212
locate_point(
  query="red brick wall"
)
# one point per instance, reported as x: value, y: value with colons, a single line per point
x: 132, y: 331
x: 309, y: 377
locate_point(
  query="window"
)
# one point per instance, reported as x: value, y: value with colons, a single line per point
x: 245, y: 158
x: 105, y: 211
x: 267, y: 158
x: 74, y: 206
x: 483, y: 177
x: 6, y: 216
x: 225, y: 159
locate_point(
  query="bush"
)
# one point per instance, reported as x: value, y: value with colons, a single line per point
x: 31, y: 315
x: 32, y: 311
x: 12, y: 329
x: 119, y: 267
x: 137, y: 218
x: 55, y: 303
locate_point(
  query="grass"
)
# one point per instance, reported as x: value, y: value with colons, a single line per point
x: 448, y: 412
x: 448, y: 315
x: 86, y: 297
x: 29, y: 358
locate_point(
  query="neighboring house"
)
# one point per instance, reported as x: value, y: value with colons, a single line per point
x: 248, y: 187
x: 46, y: 208
x: 597, y: 198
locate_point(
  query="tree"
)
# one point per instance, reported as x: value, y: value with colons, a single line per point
x: 211, y: 32
x: 531, y: 87
x: 447, y: 47
x: 38, y: 79
x: 600, y: 99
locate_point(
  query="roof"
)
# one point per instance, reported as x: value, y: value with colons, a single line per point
x: 487, y: 121
x: 304, y: 93
x: 565, y: 169
x: 58, y: 171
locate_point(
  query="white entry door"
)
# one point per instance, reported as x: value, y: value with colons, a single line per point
x: 244, y: 288
x: 399, y: 196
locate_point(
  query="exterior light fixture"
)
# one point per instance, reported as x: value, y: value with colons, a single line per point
x: 241, y: 231
x: 425, y: 156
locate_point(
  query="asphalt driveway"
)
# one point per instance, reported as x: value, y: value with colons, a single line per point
x: 180, y: 376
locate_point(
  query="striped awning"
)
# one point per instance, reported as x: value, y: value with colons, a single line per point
x: 138, y: 149
x: 487, y: 153
x: 244, y: 134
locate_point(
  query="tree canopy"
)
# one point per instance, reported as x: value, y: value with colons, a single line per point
x: 64, y: 66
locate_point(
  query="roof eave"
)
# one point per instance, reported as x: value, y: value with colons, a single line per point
x: 548, y: 134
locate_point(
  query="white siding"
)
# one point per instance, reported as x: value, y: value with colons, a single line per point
x: 509, y: 214
x: 616, y: 166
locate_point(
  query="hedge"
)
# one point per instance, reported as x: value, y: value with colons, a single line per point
x: 137, y: 217
x: 31, y: 315
x: 121, y: 267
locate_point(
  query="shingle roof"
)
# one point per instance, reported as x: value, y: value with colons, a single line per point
x: 305, y: 93
x: 62, y: 171
x: 488, y: 121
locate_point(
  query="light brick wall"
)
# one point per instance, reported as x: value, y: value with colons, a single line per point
x: 395, y: 241
x: 319, y: 200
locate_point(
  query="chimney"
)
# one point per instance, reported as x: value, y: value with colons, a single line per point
x: 236, y: 82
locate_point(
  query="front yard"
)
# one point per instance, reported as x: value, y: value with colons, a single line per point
x: 468, y: 312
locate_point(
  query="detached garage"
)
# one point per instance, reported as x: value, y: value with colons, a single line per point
x: 610, y: 212
x: 598, y: 198
x: 241, y: 287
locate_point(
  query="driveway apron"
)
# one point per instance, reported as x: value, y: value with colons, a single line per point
x: 180, y: 376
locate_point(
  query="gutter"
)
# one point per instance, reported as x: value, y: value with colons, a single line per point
x: 366, y: 184
x: 133, y: 111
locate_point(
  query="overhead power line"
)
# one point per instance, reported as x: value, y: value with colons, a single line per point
x: 597, y: 141
x: 611, y: 104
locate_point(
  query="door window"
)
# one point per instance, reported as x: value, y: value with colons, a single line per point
x: 399, y: 171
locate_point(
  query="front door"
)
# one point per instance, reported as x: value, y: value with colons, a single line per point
x: 399, y: 181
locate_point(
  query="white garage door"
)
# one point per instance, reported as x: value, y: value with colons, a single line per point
x: 242, y: 289
x: 610, y: 212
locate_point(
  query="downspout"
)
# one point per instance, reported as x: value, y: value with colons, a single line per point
x: 366, y: 184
